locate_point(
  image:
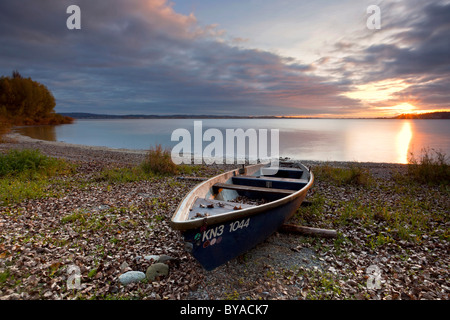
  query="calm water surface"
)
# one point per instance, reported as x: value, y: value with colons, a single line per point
x: 361, y: 140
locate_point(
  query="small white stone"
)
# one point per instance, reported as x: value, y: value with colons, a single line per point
x: 131, y: 276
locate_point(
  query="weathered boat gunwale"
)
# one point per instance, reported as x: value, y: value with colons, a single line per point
x: 180, y: 220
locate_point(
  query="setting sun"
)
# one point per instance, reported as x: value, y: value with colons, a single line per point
x: 377, y: 91
x: 404, y: 107
x: 399, y: 109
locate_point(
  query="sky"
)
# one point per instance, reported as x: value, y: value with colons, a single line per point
x: 248, y: 57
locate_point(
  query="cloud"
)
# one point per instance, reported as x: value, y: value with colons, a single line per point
x: 413, y: 45
x: 136, y: 56
x: 143, y: 57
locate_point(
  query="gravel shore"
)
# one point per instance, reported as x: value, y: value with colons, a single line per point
x: 106, y: 229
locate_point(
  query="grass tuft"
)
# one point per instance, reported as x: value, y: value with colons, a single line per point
x: 27, y: 174
x: 16, y: 162
x: 354, y: 175
x: 430, y: 168
x: 159, y: 162
x: 123, y: 175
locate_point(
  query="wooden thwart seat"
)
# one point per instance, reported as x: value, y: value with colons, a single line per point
x: 270, y: 178
x: 238, y: 187
x: 284, y: 173
x: 270, y: 182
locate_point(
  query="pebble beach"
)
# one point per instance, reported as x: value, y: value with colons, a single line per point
x: 117, y: 238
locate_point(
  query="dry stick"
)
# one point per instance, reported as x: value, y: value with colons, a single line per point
x: 292, y: 228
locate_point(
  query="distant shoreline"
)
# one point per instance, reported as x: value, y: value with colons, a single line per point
x: 82, y: 115
x: 22, y: 139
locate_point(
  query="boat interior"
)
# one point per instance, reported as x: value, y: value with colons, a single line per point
x: 248, y: 189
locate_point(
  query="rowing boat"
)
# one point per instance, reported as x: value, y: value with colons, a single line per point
x: 229, y: 214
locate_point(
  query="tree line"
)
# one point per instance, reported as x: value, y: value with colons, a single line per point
x: 27, y: 102
x: 429, y: 115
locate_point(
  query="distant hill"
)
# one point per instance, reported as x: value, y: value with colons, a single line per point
x: 431, y: 115
x: 82, y: 115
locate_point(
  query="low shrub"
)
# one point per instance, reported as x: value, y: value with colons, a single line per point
x: 354, y: 175
x: 123, y: 175
x: 16, y: 162
x: 27, y: 174
x: 431, y: 167
x: 159, y: 162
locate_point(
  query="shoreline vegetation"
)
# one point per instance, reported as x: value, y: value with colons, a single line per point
x: 103, y: 210
x: 24, y: 102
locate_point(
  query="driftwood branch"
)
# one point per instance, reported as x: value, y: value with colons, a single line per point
x: 295, y: 229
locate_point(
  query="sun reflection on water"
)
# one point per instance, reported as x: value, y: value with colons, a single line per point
x: 404, y: 138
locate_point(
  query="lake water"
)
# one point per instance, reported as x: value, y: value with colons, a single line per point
x: 363, y: 140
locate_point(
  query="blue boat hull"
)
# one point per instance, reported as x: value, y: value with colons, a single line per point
x: 213, y: 245
x: 218, y: 225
